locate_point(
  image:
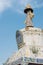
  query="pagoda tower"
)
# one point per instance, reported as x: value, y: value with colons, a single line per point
x: 29, y: 42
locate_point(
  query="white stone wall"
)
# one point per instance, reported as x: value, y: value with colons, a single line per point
x: 30, y: 37
x: 32, y: 40
x: 33, y: 36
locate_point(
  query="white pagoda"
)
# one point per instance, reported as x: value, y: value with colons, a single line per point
x: 29, y: 42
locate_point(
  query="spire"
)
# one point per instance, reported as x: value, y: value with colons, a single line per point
x: 29, y: 11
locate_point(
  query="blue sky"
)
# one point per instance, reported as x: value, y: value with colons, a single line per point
x: 12, y: 18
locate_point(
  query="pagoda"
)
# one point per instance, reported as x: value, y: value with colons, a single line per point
x: 29, y: 42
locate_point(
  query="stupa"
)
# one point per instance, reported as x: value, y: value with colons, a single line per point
x: 29, y: 42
